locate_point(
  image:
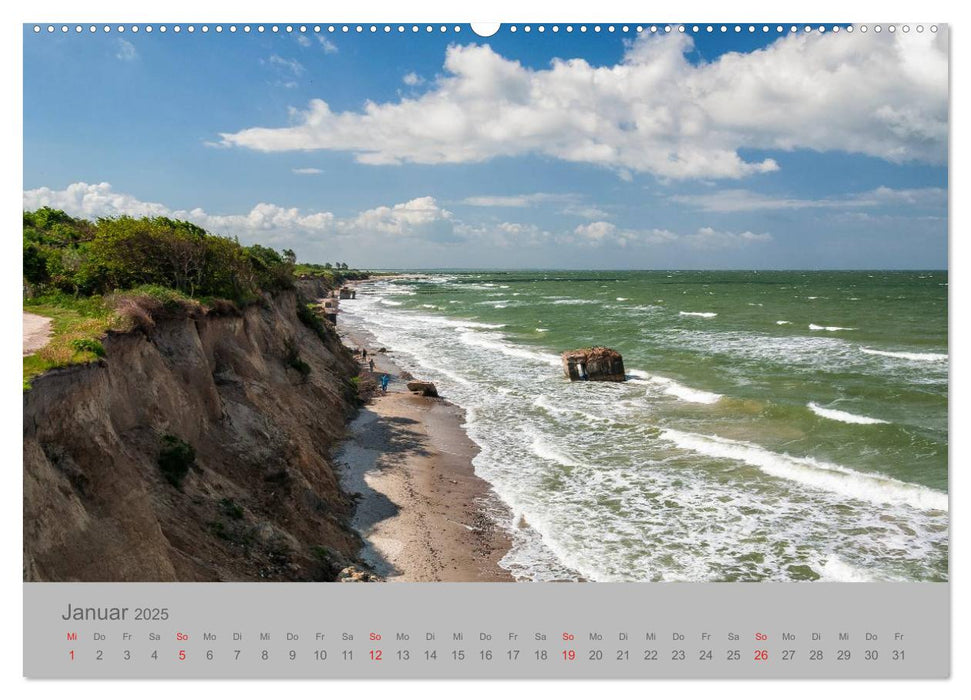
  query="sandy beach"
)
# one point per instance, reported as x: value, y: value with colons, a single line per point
x: 421, y: 509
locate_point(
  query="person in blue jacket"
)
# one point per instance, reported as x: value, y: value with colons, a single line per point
x: 384, y: 383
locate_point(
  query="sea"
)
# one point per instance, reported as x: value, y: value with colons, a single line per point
x: 774, y: 425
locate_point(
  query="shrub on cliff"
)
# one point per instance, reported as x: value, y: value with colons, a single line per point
x: 308, y: 316
x: 84, y: 258
x: 293, y: 359
x: 175, y: 458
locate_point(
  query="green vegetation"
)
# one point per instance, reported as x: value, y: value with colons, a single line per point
x: 333, y: 275
x: 84, y: 258
x: 293, y: 358
x: 122, y: 273
x: 231, y: 509
x: 175, y: 458
x: 309, y: 316
x: 77, y: 326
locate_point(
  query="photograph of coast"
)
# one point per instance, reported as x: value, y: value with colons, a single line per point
x: 647, y: 304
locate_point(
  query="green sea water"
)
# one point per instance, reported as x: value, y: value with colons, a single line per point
x: 781, y: 425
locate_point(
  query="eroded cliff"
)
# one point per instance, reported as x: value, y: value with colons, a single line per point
x: 258, y: 397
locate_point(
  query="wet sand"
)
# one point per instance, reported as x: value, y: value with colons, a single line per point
x: 422, y: 510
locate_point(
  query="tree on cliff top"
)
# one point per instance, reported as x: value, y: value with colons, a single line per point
x: 80, y: 257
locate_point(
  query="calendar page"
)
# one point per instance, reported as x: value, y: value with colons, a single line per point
x: 437, y: 350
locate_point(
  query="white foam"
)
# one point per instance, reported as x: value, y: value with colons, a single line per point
x: 545, y: 451
x: 873, y: 488
x: 542, y: 330
x: 572, y: 302
x: 623, y: 298
x: 492, y: 342
x: 673, y: 388
x: 783, y: 323
x: 389, y: 302
x: 843, y: 416
x: 915, y: 356
x: 814, y: 327
x: 835, y: 569
x: 700, y: 314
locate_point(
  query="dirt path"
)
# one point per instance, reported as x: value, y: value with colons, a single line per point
x: 37, y: 332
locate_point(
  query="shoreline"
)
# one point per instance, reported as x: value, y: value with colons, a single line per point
x: 422, y: 511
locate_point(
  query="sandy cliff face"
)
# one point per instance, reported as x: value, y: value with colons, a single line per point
x: 261, y: 501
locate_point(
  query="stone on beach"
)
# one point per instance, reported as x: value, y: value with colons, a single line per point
x: 423, y: 388
x: 352, y: 574
x: 597, y: 364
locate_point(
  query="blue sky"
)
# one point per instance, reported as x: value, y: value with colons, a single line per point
x: 606, y: 150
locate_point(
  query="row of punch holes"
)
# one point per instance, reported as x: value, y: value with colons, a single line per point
x: 512, y: 28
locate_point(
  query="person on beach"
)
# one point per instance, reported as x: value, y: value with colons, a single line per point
x: 384, y: 383
x: 370, y: 364
x: 363, y: 353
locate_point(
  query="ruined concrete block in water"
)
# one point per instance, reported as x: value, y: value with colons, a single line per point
x: 597, y: 364
x: 423, y: 388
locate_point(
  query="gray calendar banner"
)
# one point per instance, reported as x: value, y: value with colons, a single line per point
x: 305, y: 630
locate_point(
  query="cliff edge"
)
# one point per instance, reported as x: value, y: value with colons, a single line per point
x: 197, y: 449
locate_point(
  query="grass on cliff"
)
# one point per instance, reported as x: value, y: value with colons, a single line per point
x: 77, y: 326
x: 79, y: 323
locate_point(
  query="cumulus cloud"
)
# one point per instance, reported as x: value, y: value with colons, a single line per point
x: 412, y: 79
x: 746, y: 200
x: 884, y: 95
x: 420, y: 217
x: 92, y: 201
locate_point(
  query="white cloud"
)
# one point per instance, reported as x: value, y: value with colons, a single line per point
x: 420, y: 217
x: 883, y: 95
x: 602, y: 232
x: 326, y: 44
x: 91, y: 201
x: 708, y: 238
x: 126, y: 51
x: 412, y: 79
x: 746, y: 200
x: 303, y: 40
x: 288, y: 65
x: 307, y: 171
x: 586, y: 211
x: 516, y: 200
x: 573, y: 204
